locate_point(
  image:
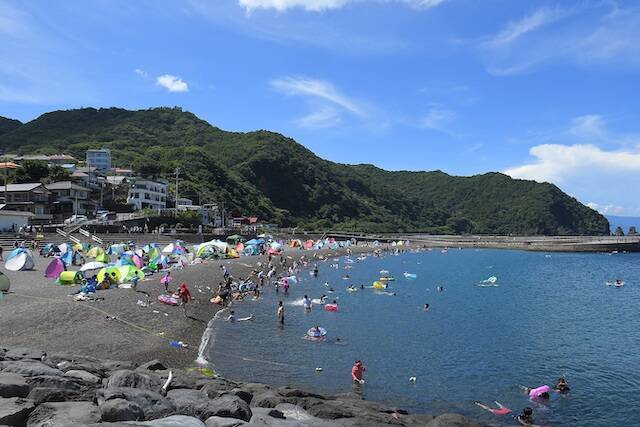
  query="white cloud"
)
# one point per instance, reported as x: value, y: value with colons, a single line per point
x: 172, y: 83
x: 141, y: 73
x: 532, y: 22
x: 613, y: 209
x: 438, y: 119
x: 591, y: 33
x: 319, y: 89
x: 320, y: 5
x: 592, y: 126
x: 556, y: 163
x: 323, y: 118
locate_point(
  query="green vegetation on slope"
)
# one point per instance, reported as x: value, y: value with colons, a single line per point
x: 7, y: 125
x: 269, y: 175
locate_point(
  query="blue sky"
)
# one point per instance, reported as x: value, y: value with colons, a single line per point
x: 537, y: 89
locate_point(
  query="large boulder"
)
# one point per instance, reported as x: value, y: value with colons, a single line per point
x: 153, y: 404
x: 121, y: 410
x: 117, y: 365
x: 231, y: 407
x: 66, y: 383
x: 242, y: 394
x: 153, y: 365
x: 83, y: 375
x: 193, y: 402
x: 93, y: 367
x: 24, y: 353
x: 215, y: 386
x: 28, y: 368
x: 132, y: 379
x: 179, y: 379
x: 49, y: 394
x: 63, y: 414
x: 267, y: 399
x: 14, y: 411
x: 452, y: 420
x: 294, y: 392
x: 13, y: 385
x: 172, y: 421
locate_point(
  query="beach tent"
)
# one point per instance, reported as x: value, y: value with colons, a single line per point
x: 93, y: 265
x: 125, y: 260
x: 19, y: 259
x: 67, y: 257
x: 154, y: 253
x: 103, y: 257
x: 95, y: 251
x: 232, y: 253
x: 137, y: 260
x: 308, y: 244
x: 109, y: 271
x: 235, y: 238
x: 128, y: 272
x: 147, y: 248
x: 54, y: 269
x: 70, y: 277
x: 64, y: 247
x: 5, y: 284
x: 168, y: 249
x: 239, y: 247
x: 117, y: 249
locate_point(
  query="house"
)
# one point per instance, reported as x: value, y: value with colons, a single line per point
x: 68, y: 199
x: 147, y: 193
x: 29, y: 197
x: 13, y: 220
x: 99, y: 159
x: 89, y: 178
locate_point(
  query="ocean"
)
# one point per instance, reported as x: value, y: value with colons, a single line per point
x: 548, y: 315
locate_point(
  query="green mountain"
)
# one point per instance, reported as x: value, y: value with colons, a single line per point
x: 7, y: 125
x: 269, y: 175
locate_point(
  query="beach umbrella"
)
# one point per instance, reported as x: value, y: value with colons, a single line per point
x: 95, y: 251
x: 93, y: 265
x: 54, y: 269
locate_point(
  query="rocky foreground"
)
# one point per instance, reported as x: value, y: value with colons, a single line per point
x: 39, y: 389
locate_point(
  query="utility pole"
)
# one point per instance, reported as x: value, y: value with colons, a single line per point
x: 177, y: 174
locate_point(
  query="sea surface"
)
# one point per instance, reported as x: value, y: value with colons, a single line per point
x: 550, y: 315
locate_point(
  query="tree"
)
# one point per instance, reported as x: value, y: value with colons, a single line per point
x: 32, y: 171
x: 147, y: 168
x: 57, y: 173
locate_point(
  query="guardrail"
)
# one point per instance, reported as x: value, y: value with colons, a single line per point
x: 88, y: 235
x: 67, y: 236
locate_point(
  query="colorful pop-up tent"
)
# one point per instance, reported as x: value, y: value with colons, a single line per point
x: 19, y: 259
x: 54, y: 269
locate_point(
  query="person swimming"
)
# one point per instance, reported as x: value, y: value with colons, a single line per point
x: 322, y: 298
x: 562, y: 386
x: 500, y: 410
x: 526, y: 418
x: 426, y: 307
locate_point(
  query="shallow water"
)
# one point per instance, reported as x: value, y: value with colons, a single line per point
x: 550, y: 315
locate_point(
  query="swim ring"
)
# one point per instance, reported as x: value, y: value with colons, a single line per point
x: 379, y: 285
x: 536, y: 392
x: 331, y: 307
x: 321, y: 332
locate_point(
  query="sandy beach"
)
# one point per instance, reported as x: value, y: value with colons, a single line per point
x: 38, y: 313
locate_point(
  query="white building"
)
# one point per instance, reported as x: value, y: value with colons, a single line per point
x: 145, y: 193
x: 99, y: 159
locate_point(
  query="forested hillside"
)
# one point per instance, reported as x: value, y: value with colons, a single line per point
x: 274, y: 177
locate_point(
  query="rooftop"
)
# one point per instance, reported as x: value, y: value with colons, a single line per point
x: 64, y: 185
x: 21, y: 187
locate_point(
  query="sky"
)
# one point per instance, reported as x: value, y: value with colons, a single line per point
x: 539, y: 90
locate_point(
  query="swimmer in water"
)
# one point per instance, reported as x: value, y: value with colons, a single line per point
x: 326, y: 284
x: 361, y: 286
x: 426, y: 307
x: 322, y: 298
x: 440, y: 288
x: 500, y: 410
x: 562, y: 386
x: 544, y: 395
x: 526, y: 418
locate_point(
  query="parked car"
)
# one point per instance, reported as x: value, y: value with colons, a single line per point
x: 76, y: 219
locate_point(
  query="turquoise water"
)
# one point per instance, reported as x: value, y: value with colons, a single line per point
x: 549, y: 316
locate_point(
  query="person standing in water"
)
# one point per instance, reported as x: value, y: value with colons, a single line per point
x: 281, y: 313
x: 357, y: 372
x: 306, y: 303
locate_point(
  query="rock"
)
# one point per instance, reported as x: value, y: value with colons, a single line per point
x: 13, y: 385
x: 193, y: 402
x: 276, y: 414
x: 180, y: 379
x: 224, y: 422
x: 331, y: 410
x: 242, y: 394
x: 126, y: 378
x: 66, y: 383
x: 94, y: 368
x: 121, y: 410
x: 28, y: 368
x: 83, y: 375
x: 254, y: 388
x: 267, y: 400
x: 48, y: 394
x: 294, y: 392
x: 214, y: 387
x: 452, y: 420
x: 14, y: 411
x: 417, y: 420
x: 24, y: 353
x: 153, y: 404
x: 231, y: 407
x: 63, y: 414
x: 153, y: 365
x: 117, y: 365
